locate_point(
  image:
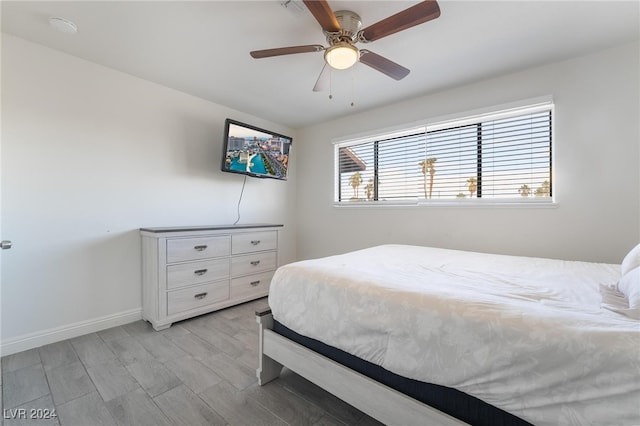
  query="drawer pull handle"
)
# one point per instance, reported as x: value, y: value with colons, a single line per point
x: 255, y: 283
x: 255, y: 262
x: 200, y: 248
x: 200, y: 272
x: 201, y: 296
x: 255, y: 242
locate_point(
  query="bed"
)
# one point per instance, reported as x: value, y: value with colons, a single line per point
x: 489, y: 339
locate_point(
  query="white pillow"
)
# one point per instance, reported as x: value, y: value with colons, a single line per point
x: 630, y: 261
x: 629, y: 285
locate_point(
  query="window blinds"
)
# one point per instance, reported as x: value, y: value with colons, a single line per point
x: 500, y: 156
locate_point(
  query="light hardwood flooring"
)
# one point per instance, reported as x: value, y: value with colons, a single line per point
x: 198, y: 372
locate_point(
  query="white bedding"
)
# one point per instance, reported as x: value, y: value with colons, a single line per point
x: 527, y: 335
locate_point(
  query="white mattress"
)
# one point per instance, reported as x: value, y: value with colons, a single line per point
x: 527, y: 335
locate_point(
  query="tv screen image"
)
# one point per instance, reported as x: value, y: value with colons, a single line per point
x: 256, y: 152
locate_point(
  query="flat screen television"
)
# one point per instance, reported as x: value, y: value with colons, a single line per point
x: 256, y: 152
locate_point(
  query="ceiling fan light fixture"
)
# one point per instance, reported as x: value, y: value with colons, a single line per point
x: 342, y: 55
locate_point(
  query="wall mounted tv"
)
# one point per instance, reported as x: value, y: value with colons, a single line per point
x: 253, y: 151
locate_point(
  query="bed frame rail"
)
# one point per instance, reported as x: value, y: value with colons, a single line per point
x: 377, y: 400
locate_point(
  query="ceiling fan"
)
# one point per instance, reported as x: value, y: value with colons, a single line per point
x: 343, y: 30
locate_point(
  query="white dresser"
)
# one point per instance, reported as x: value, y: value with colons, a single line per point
x: 189, y: 271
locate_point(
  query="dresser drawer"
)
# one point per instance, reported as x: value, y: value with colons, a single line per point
x: 254, y: 241
x: 184, y: 274
x: 253, y: 263
x: 251, y: 285
x: 182, y: 249
x: 195, y: 297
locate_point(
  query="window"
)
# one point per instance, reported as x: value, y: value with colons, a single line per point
x: 498, y: 157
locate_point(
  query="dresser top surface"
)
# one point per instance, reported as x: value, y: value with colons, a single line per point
x: 159, y: 230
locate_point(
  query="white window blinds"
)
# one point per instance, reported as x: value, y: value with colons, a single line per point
x: 502, y: 156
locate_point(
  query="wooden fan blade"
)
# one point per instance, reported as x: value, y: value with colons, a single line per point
x: 257, y: 54
x: 382, y: 64
x: 415, y: 15
x: 321, y: 10
x: 323, y: 79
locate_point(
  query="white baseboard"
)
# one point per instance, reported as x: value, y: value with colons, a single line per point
x: 52, y: 335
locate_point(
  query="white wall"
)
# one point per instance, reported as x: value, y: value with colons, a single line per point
x: 90, y: 155
x: 597, y: 160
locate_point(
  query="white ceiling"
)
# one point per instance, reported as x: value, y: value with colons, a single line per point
x: 202, y: 47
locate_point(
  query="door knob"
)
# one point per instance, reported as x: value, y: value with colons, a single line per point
x: 5, y: 244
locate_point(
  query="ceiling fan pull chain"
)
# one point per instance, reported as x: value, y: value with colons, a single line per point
x: 353, y: 87
x: 330, y: 83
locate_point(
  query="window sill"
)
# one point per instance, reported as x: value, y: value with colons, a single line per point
x: 507, y: 203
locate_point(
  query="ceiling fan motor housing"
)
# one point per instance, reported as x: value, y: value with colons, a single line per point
x: 350, y: 24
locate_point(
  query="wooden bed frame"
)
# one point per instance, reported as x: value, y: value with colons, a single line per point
x: 377, y: 400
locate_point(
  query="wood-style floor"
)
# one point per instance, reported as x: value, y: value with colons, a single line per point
x: 198, y: 372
